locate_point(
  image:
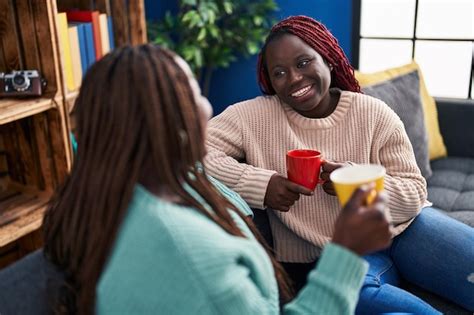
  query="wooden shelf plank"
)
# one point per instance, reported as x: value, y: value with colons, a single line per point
x: 23, y: 226
x: 21, y: 212
x: 14, y: 109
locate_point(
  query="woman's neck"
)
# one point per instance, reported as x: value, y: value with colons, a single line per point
x: 327, y: 105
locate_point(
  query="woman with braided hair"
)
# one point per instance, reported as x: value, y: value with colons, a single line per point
x: 139, y: 228
x: 312, y: 100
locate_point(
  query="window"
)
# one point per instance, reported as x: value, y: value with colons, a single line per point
x: 438, y: 34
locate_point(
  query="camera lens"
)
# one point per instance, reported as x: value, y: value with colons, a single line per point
x: 20, y: 82
x: 19, y: 79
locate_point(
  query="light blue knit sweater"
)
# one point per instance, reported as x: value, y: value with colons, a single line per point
x: 170, y: 259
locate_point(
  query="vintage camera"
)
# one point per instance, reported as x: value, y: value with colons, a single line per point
x: 21, y: 83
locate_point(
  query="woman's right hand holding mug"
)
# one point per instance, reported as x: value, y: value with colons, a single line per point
x: 363, y: 228
x: 282, y: 193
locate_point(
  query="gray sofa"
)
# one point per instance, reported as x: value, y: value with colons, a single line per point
x: 27, y: 286
x: 451, y: 186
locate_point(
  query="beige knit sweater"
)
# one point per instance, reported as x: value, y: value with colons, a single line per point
x: 247, y: 144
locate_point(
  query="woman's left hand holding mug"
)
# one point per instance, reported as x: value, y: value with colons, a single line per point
x: 327, y: 168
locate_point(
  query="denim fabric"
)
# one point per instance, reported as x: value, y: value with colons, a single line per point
x: 436, y: 253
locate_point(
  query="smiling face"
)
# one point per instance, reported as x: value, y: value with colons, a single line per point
x: 299, y: 76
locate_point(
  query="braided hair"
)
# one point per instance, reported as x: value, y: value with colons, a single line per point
x: 318, y: 37
x: 134, y: 106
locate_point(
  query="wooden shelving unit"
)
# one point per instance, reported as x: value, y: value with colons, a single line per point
x: 13, y: 109
x: 35, y: 150
x: 22, y: 212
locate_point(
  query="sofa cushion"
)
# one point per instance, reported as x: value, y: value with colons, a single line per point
x: 441, y: 304
x: 402, y: 94
x: 28, y: 285
x: 436, y: 145
x: 451, y: 188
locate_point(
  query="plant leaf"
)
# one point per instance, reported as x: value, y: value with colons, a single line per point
x: 189, y: 2
x: 202, y: 34
x: 198, y: 58
x: 211, y: 33
x: 228, y: 8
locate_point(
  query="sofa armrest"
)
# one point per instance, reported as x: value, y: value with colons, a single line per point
x: 456, y: 122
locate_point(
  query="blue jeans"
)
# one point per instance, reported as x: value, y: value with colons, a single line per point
x: 436, y: 253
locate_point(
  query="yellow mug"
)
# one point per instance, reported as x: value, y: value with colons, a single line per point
x: 348, y: 178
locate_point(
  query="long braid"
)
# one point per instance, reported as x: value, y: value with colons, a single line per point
x: 318, y: 37
x: 84, y: 216
x: 135, y: 105
x: 200, y: 184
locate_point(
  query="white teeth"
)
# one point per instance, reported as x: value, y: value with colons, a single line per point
x: 301, y: 92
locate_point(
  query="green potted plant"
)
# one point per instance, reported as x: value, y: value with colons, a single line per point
x: 210, y: 34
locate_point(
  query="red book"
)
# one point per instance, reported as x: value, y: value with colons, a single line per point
x: 89, y: 16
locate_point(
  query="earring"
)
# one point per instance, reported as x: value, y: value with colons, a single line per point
x: 330, y: 67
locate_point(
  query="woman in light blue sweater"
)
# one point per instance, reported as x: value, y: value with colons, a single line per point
x: 138, y: 227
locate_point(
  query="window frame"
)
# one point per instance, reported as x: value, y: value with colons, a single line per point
x: 356, y: 37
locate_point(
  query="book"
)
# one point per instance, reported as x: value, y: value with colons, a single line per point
x: 90, y: 46
x: 65, y: 49
x: 81, y: 36
x: 75, y: 55
x: 93, y: 17
x: 111, y: 33
x: 104, y: 33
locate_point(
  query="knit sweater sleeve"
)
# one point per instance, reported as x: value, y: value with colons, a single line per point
x: 232, y: 196
x: 404, y: 183
x: 333, y: 286
x: 225, y: 156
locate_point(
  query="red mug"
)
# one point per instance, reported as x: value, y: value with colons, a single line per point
x: 303, y: 167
